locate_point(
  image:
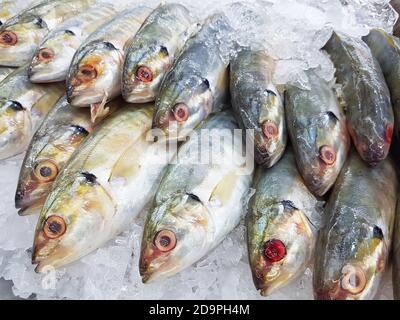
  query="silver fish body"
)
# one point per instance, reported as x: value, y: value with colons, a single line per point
x: 4, y: 72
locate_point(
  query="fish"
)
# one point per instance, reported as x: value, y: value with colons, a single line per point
x: 62, y: 131
x: 396, y: 6
x: 52, y: 58
x: 4, y: 72
x: 20, y: 35
x: 258, y: 105
x: 23, y: 106
x: 386, y: 49
x: 282, y: 222
x: 102, y: 188
x: 197, y: 202
x: 96, y: 68
x: 318, y: 131
x: 368, y: 108
x: 396, y: 255
x: 10, y: 8
x: 354, y: 244
x: 151, y: 52
x: 197, y: 83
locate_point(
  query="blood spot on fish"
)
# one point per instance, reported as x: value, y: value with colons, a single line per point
x: 45, y: 54
x: 165, y: 240
x: 327, y: 154
x: 269, y: 129
x: 54, y: 227
x: 389, y: 133
x: 144, y: 74
x: 274, y: 250
x: 8, y: 38
x: 181, y: 112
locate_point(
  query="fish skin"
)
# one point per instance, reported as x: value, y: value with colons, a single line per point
x: 104, y: 186
x: 315, y: 120
x: 282, y: 209
x: 369, y: 112
x: 354, y: 244
x: 10, y: 8
x: 396, y: 255
x: 103, y: 52
x: 4, y: 72
x: 30, y: 26
x: 63, y: 43
x: 23, y: 106
x: 255, y: 100
x: 199, y: 203
x: 155, y: 46
x: 198, y: 79
x: 60, y: 134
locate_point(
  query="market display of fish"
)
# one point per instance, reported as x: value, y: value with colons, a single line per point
x: 60, y: 134
x: 20, y: 35
x: 4, y: 72
x: 23, y: 106
x: 152, y: 51
x: 96, y: 69
x: 396, y: 255
x: 53, y: 56
x: 197, y: 83
x: 197, y: 203
x: 105, y: 185
x: 369, y: 112
x: 317, y: 128
x: 282, y: 224
x: 353, y: 246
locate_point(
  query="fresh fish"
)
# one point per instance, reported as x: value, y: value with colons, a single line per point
x: 23, y: 106
x: 396, y: 255
x: 53, y: 57
x: 96, y: 69
x: 282, y: 224
x: 152, y: 51
x: 61, y: 133
x: 20, y: 35
x: 198, y: 202
x: 9, y: 8
x: 369, y: 111
x: 4, y: 72
x: 317, y: 128
x: 354, y: 244
x: 105, y: 185
x: 386, y: 50
x: 197, y: 83
x: 258, y: 105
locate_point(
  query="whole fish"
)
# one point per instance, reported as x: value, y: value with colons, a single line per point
x: 53, y: 56
x: 105, y: 185
x: 61, y: 133
x: 152, y: 51
x: 96, y: 69
x: 396, y: 255
x: 23, y: 106
x: 258, y: 105
x: 20, y: 35
x: 386, y: 49
x: 4, y: 72
x: 198, y: 202
x: 317, y: 128
x: 282, y: 224
x: 197, y: 83
x: 9, y: 8
x: 369, y: 111
x: 354, y: 244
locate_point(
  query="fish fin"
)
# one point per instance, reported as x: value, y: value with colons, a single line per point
x: 98, y: 110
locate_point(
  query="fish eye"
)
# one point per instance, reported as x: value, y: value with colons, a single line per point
x: 45, y: 54
x: 165, y: 240
x: 327, y: 154
x: 274, y: 250
x: 69, y: 32
x: 180, y: 112
x: 46, y: 170
x: 353, y: 279
x: 54, y: 227
x: 269, y: 129
x: 144, y: 74
x: 87, y: 73
x: 8, y: 38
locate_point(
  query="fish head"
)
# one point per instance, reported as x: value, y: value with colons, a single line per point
x: 72, y: 222
x: 144, y: 69
x: 175, y: 237
x: 19, y: 38
x: 183, y: 105
x: 95, y: 73
x: 281, y: 246
x: 51, y: 61
x: 14, y: 126
x: 46, y: 157
x: 352, y: 265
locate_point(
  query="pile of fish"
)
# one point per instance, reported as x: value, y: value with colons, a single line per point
x: 117, y: 109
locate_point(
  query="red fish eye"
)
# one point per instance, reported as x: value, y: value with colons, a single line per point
x: 327, y: 155
x: 181, y: 112
x: 8, y: 38
x: 165, y: 240
x: 274, y: 250
x: 54, y: 227
x: 353, y: 279
x: 269, y: 129
x: 389, y: 133
x: 144, y: 74
x: 45, y: 54
x: 86, y: 73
